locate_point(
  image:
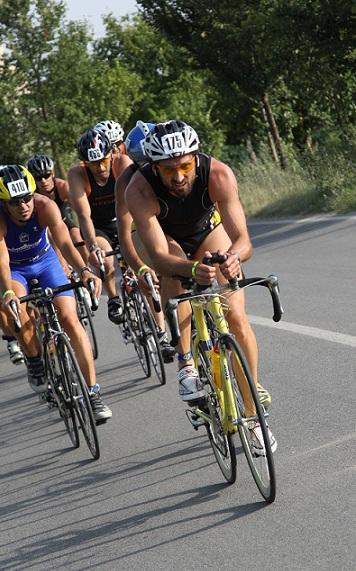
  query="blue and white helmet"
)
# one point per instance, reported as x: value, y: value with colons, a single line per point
x: 112, y: 130
x: 169, y: 140
x: 93, y: 145
x: 135, y: 141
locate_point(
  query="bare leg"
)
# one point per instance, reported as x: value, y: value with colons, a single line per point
x: 78, y: 337
x: 27, y: 335
x: 109, y: 263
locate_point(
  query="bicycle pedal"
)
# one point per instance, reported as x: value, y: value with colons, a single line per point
x: 194, y: 419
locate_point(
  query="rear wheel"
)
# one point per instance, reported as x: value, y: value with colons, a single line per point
x: 221, y: 443
x: 79, y: 391
x: 260, y: 460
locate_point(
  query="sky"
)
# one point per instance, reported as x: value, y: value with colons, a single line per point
x: 92, y: 10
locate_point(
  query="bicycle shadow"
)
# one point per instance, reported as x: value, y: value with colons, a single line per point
x: 105, y: 535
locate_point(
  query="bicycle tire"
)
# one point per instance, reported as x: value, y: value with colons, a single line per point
x: 152, y: 340
x: 132, y: 328
x: 85, y: 316
x: 61, y: 392
x: 261, y: 466
x: 221, y: 443
x: 79, y: 393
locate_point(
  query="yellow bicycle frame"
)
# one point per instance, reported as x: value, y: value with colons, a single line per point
x: 220, y: 370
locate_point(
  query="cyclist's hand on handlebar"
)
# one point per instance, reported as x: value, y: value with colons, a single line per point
x: 142, y: 282
x: 87, y: 275
x: 6, y: 304
x: 204, y: 274
x: 231, y: 267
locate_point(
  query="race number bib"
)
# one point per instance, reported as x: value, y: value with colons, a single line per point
x: 173, y: 143
x: 95, y: 155
x: 17, y: 187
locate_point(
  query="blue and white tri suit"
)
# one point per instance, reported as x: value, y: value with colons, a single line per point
x: 31, y: 254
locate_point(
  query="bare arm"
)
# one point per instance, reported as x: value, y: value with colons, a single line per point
x: 124, y: 223
x: 80, y: 203
x: 5, y: 273
x: 49, y: 216
x: 223, y: 190
x: 144, y: 208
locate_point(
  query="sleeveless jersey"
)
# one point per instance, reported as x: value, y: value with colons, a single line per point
x: 57, y: 198
x: 101, y: 200
x: 191, y: 216
x: 25, y: 243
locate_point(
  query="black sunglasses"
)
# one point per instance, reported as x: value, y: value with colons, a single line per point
x: 45, y: 176
x: 17, y: 201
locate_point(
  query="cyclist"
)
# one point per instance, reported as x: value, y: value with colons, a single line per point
x: 42, y: 169
x: 92, y: 195
x: 25, y: 253
x: 134, y: 148
x: 185, y: 204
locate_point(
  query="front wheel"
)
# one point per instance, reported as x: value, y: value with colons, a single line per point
x: 59, y: 392
x: 80, y: 397
x: 256, y: 438
x: 221, y: 443
x: 152, y: 341
x: 85, y: 316
x: 135, y: 327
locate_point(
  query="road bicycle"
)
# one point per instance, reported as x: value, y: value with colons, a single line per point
x: 139, y: 326
x: 67, y: 388
x: 85, y: 314
x: 231, y: 402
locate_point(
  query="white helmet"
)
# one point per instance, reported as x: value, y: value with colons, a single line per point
x: 169, y: 140
x: 112, y: 130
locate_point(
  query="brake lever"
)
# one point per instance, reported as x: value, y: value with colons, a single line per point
x: 17, y: 322
x: 155, y: 296
x: 93, y: 298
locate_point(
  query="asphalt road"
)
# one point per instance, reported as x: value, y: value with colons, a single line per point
x: 156, y: 499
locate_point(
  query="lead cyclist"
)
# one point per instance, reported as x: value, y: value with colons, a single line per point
x: 185, y: 204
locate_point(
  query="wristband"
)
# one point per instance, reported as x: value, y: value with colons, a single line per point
x: 142, y: 270
x: 194, y: 268
x: 8, y: 292
x: 84, y: 269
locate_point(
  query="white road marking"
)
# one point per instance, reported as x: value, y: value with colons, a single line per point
x: 306, y: 220
x: 324, y: 334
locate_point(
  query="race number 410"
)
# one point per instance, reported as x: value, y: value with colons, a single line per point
x: 17, y: 187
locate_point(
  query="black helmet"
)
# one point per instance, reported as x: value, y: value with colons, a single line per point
x: 40, y: 165
x: 93, y: 145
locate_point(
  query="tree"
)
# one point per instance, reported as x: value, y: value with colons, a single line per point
x: 55, y: 86
x: 169, y: 81
x: 290, y: 56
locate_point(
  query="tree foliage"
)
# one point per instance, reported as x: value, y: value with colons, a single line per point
x: 299, y: 52
x: 281, y: 71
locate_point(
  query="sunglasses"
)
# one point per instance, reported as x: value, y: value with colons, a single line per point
x: 18, y: 201
x: 183, y: 168
x: 45, y: 176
